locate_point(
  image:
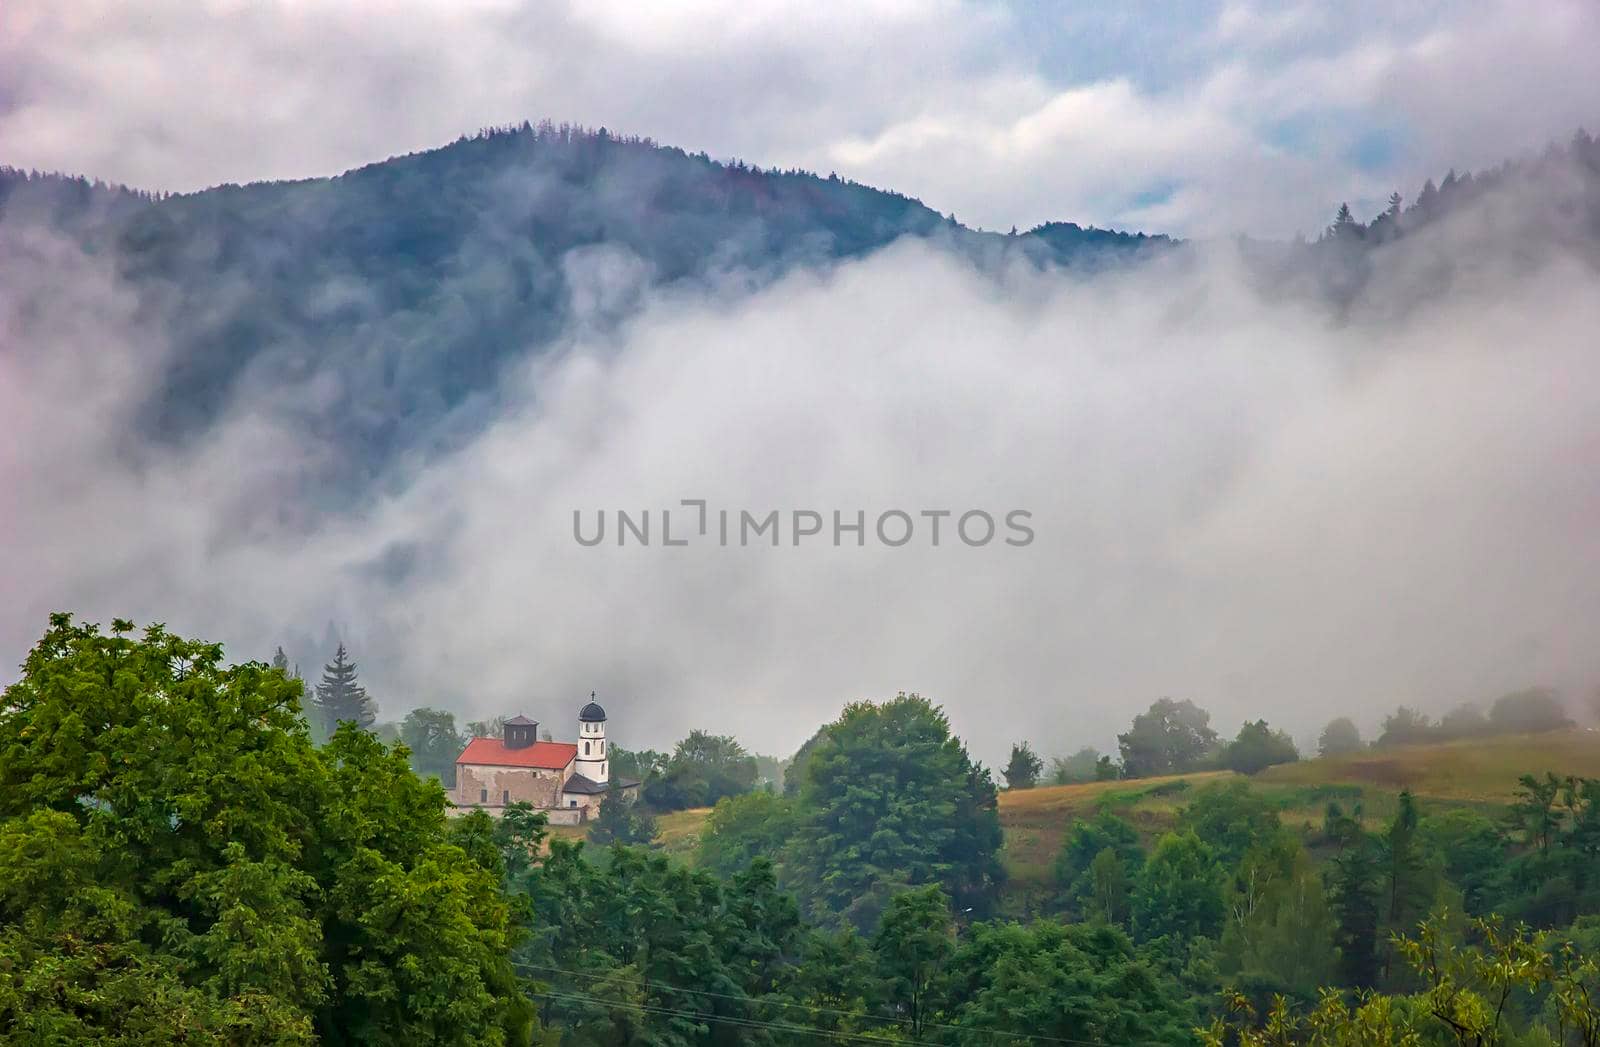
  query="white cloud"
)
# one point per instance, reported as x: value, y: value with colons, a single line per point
x: 968, y: 106
x: 1235, y: 500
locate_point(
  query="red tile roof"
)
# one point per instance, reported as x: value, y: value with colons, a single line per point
x: 549, y: 756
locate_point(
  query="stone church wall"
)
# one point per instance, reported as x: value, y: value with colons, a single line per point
x: 479, y: 785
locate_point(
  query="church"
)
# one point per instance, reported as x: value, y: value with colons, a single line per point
x: 567, y: 780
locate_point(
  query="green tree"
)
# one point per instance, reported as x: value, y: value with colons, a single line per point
x: 179, y: 862
x: 1231, y: 818
x: 622, y: 820
x: 1258, y: 747
x: 1356, y: 896
x: 1409, y: 881
x: 1075, y: 873
x: 1345, y: 227
x: 1022, y: 771
x: 1279, y: 930
x: 794, y: 772
x: 493, y: 727
x: 833, y: 987
x: 1079, y: 767
x: 339, y: 698
x: 1340, y: 736
x: 1474, y: 854
x: 1179, y: 891
x: 1106, y: 898
x: 1169, y: 738
x: 914, y: 940
x: 741, y: 829
x: 434, y: 743
x: 1535, y: 811
x: 702, y: 770
x: 1464, y: 721
x: 1406, y: 727
x: 891, y: 799
x: 627, y: 949
x: 519, y: 835
x: 641, y: 765
x: 1526, y: 712
x: 1080, y: 983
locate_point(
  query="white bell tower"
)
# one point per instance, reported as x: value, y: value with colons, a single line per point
x: 593, y: 761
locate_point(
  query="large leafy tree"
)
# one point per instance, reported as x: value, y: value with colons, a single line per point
x: 912, y: 944
x: 635, y: 949
x: 179, y: 862
x: 1406, y: 726
x: 794, y: 772
x: 434, y: 742
x: 1258, y: 747
x: 743, y: 828
x: 1340, y: 736
x: 1079, y: 767
x: 890, y: 800
x: 340, y: 699
x: 703, y: 769
x: 1231, y: 818
x: 1279, y: 930
x: 1098, y: 860
x: 1180, y: 890
x: 622, y: 820
x: 1169, y: 738
x: 1535, y: 709
x: 1082, y: 983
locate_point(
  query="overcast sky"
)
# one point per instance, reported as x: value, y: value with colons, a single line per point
x: 1239, y: 499
x: 1195, y: 118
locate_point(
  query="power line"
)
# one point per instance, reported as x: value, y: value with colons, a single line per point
x: 817, y: 1009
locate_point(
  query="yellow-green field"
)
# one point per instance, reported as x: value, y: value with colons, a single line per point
x: 1479, y: 772
x: 1476, y: 773
x: 1483, y: 770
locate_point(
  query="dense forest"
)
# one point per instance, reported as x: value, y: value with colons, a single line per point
x: 416, y: 280
x: 181, y: 861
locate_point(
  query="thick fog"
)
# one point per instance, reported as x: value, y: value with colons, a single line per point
x: 1271, y: 507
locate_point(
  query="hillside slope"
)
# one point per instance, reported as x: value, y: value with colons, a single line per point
x: 396, y: 294
x: 1479, y: 772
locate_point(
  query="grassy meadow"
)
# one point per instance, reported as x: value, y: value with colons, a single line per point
x: 1479, y: 773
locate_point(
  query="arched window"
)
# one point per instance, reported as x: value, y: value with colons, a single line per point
x: 483, y: 795
x: 505, y: 798
x: 586, y: 748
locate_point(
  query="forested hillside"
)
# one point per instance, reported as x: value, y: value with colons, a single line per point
x: 383, y: 306
x: 409, y: 284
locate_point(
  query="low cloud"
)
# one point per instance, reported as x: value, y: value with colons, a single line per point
x: 1249, y: 500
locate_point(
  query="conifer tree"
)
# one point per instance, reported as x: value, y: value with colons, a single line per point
x: 339, y: 697
x: 1023, y: 770
x: 1354, y: 890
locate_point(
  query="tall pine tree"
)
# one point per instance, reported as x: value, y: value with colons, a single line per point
x: 1354, y: 888
x: 339, y: 697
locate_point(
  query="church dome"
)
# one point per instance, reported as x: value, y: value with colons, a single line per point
x: 592, y: 713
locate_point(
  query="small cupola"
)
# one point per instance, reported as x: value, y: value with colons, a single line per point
x: 520, y: 732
